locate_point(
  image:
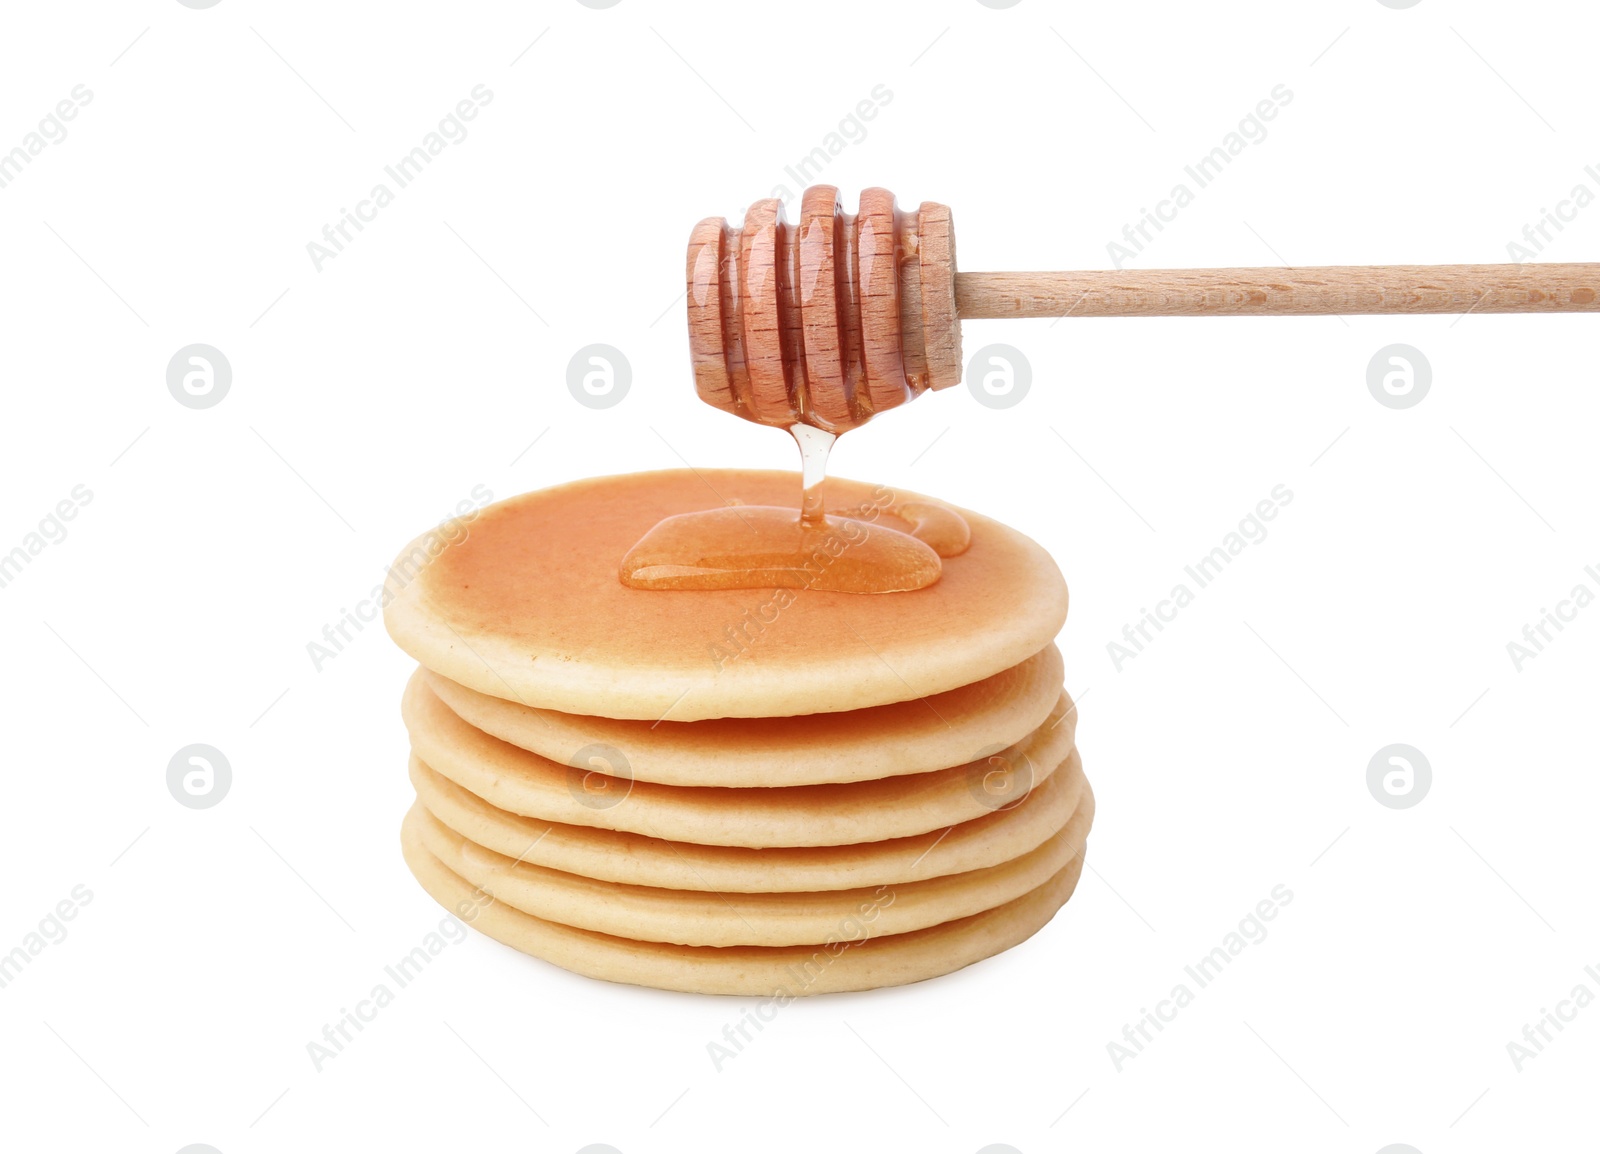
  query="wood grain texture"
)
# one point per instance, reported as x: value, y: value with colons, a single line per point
x: 760, y: 315
x: 713, y: 346
x: 828, y: 321
x: 878, y: 274
x: 1447, y: 288
x: 831, y: 370
x: 936, y: 276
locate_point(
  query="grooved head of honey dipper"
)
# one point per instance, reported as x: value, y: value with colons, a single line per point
x: 827, y: 321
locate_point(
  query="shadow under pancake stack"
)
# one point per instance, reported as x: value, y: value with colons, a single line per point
x: 758, y: 791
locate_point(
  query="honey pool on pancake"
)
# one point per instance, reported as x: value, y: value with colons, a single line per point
x: 773, y: 546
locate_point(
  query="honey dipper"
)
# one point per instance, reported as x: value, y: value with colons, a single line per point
x: 835, y: 318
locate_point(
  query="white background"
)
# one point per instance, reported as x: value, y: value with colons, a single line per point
x: 371, y: 396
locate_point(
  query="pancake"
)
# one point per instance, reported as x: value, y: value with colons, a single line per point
x: 526, y: 605
x: 810, y: 749
x: 524, y: 783
x: 762, y: 971
x: 702, y: 918
x: 632, y: 859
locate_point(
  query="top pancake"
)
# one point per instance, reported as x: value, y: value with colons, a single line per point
x: 528, y: 607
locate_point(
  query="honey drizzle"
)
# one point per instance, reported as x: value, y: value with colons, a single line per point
x: 815, y: 445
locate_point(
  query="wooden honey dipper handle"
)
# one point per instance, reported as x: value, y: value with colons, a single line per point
x: 1211, y: 292
x: 836, y: 318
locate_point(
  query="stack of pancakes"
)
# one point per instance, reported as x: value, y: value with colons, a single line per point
x: 767, y: 792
